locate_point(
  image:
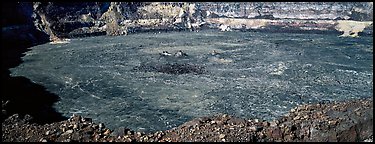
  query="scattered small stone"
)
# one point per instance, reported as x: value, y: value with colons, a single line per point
x: 43, y: 140
x: 101, y: 126
x: 333, y: 122
x: 221, y: 136
x: 358, y: 113
x: 139, y: 134
x: 27, y: 118
x: 145, y: 138
x: 107, y: 132
x: 265, y: 123
x: 128, y: 139
x: 371, y: 139
x: 293, y: 110
x: 96, y: 137
x: 256, y: 128
x: 273, y: 124
x: 296, y: 118
x: 75, y: 126
x: 129, y: 132
x: 262, y: 135
x: 241, y: 125
x: 86, y: 120
x: 68, y: 132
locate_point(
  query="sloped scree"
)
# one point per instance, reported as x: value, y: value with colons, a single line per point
x: 345, y: 121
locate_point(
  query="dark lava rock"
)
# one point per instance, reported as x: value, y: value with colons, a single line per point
x: 316, y: 122
x: 173, y: 68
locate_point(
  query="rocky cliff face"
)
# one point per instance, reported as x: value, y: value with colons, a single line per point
x: 65, y: 20
x: 293, y: 10
x: 347, y: 18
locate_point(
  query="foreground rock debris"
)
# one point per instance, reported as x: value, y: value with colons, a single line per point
x: 345, y: 121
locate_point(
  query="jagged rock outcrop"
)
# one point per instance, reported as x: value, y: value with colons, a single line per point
x: 112, y: 18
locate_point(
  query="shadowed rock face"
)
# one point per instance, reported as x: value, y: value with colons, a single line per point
x: 173, y: 68
x: 19, y: 94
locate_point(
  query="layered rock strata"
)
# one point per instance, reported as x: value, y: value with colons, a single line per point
x: 66, y: 20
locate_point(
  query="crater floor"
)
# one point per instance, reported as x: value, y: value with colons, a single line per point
x: 121, y: 80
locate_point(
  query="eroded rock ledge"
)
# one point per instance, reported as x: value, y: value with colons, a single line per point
x: 334, y: 122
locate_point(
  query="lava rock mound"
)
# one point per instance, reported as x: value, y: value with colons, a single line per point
x: 171, y: 68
